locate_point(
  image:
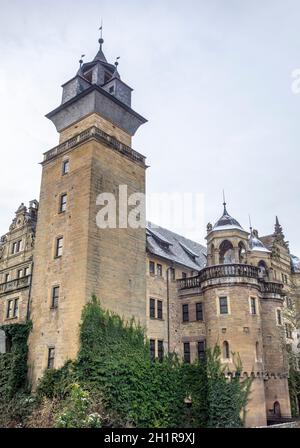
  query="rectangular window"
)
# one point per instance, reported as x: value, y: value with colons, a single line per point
x: 16, y: 247
x: 187, y: 352
x: 159, y: 309
x: 111, y: 89
x: 279, y: 320
x: 55, y: 297
x: 183, y: 274
x: 26, y: 272
x: 199, y: 311
x: 9, y: 309
x: 7, y: 278
x: 19, y: 273
x: 152, y: 349
x: 59, y: 247
x: 172, y: 274
x: 152, y: 308
x: 160, y: 350
x: 159, y: 270
x: 16, y: 308
x: 152, y: 268
x: 253, y: 305
x: 63, y: 203
x: 201, y: 351
x: 185, y: 313
x: 51, y: 357
x: 65, y: 167
x: 223, y: 305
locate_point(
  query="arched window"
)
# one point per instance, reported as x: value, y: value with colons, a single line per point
x: 226, y: 351
x: 276, y: 409
x: 263, y: 270
x: 242, y: 253
x: 226, y: 252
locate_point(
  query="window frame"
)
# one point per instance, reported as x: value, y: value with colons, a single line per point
x: 58, y: 247
x: 187, y: 352
x: 160, y: 350
x: 152, y: 349
x: 65, y: 163
x: 159, y: 270
x: 159, y: 305
x: 185, y: 313
x: 223, y: 306
x: 51, y: 358
x: 201, y: 353
x: 55, y: 299
x: 152, y: 308
x: 62, y: 203
x: 253, y: 306
x: 151, y: 267
x: 199, y: 311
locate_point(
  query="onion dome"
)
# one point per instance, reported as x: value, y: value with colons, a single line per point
x: 255, y: 243
x: 227, y: 222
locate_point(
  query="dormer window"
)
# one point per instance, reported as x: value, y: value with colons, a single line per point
x: 111, y: 90
x: 89, y: 76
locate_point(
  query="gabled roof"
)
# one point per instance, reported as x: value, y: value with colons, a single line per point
x: 176, y: 248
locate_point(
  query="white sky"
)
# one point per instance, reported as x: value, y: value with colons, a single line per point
x: 213, y: 77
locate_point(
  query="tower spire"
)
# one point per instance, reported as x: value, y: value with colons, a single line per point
x: 100, y: 55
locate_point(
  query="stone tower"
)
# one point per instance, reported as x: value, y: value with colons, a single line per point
x: 243, y: 313
x: 74, y: 257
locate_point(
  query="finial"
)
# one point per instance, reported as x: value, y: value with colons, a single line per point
x: 81, y: 60
x: 250, y: 225
x: 101, y: 40
x: 224, y: 203
x: 117, y: 63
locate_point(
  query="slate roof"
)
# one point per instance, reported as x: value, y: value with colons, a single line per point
x: 173, y: 247
x: 227, y: 222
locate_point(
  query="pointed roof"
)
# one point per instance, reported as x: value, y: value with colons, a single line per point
x: 255, y: 243
x: 226, y: 221
x: 100, y: 55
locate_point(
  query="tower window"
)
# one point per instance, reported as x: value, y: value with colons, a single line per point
x: 20, y: 273
x: 159, y: 309
x: 253, y: 305
x: 7, y: 278
x: 152, y: 349
x: 152, y: 308
x: 279, y: 317
x: 152, y: 268
x: 63, y: 203
x: 185, y: 313
x: 65, y: 167
x: 160, y: 350
x: 187, y: 352
x: 201, y: 351
x: 199, y: 311
x: 107, y: 77
x: 59, y: 247
x: 223, y: 305
x: 26, y: 271
x: 226, y: 351
x: 111, y: 90
x: 51, y: 357
x: 55, y: 297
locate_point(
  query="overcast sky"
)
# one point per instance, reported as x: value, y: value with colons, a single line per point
x: 213, y: 77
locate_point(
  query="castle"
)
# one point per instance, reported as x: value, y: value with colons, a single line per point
x: 54, y: 257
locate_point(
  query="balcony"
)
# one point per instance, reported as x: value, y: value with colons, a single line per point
x: 97, y: 134
x: 14, y: 285
x: 223, y: 270
x: 231, y: 270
